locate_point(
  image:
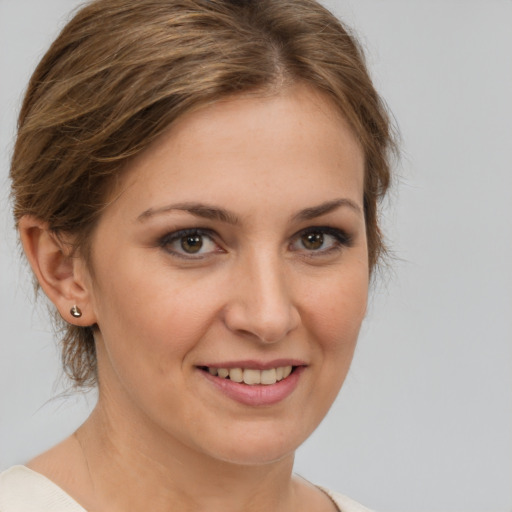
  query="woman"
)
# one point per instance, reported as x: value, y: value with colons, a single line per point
x: 195, y: 186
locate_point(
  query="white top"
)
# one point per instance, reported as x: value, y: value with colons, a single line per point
x: 24, y: 490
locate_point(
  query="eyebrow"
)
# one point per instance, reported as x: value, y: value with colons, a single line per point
x: 211, y: 212
x: 325, y: 208
x: 202, y: 210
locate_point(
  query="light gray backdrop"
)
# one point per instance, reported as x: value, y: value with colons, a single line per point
x: 424, y: 421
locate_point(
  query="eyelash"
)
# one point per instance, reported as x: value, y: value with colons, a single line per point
x: 176, y: 236
x: 341, y: 240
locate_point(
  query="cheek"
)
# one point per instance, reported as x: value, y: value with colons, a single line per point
x: 333, y: 316
x: 157, y: 315
x: 337, y: 309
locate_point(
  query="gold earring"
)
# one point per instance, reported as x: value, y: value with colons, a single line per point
x: 75, y: 311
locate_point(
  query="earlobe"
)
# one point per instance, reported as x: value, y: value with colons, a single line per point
x: 61, y: 275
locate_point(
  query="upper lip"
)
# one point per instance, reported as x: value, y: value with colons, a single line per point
x: 255, y: 364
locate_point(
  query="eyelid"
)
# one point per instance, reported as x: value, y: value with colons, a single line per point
x: 343, y: 239
x: 169, y: 238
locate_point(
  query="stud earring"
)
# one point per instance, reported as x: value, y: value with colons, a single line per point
x: 75, y: 311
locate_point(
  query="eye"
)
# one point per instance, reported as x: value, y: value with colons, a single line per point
x: 190, y: 243
x: 321, y: 240
x: 312, y: 241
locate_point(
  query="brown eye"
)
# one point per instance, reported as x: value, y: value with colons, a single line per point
x: 192, y: 244
x: 312, y: 241
x: 320, y: 241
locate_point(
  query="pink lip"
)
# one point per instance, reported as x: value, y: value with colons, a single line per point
x: 254, y: 364
x: 259, y: 394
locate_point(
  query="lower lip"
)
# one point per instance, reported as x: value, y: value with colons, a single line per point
x: 258, y: 394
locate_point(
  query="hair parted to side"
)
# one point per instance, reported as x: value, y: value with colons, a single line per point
x: 121, y: 71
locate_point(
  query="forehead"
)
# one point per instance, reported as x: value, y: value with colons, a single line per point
x: 293, y: 140
x: 275, y: 112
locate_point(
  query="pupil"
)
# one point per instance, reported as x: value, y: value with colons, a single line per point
x: 192, y: 243
x: 313, y: 240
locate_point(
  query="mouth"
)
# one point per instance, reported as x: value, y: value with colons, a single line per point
x: 251, y: 376
x: 255, y: 383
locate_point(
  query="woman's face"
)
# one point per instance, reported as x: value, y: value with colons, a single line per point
x: 235, y: 249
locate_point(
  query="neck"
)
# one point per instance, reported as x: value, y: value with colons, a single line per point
x: 133, y: 469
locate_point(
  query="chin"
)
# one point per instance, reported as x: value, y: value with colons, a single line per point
x: 257, y: 445
x: 254, y: 456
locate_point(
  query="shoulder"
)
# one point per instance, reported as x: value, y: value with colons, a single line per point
x: 344, y: 503
x: 24, y: 490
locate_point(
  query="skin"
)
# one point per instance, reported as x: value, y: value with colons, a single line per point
x: 255, y: 291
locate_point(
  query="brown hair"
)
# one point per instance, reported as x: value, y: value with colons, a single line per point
x: 121, y: 71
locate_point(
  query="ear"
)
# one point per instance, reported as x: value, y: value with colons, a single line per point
x: 63, y: 277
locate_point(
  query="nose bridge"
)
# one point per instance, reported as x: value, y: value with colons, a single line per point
x: 263, y: 303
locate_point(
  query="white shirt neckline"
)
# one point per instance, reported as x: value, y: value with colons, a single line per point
x: 25, y: 490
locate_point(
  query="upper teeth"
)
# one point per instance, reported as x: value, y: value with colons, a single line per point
x: 250, y: 376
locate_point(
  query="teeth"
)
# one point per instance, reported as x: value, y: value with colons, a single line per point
x: 250, y: 376
x: 236, y: 374
x: 268, y: 376
x: 223, y: 372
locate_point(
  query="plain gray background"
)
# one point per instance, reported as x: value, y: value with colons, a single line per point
x: 424, y: 421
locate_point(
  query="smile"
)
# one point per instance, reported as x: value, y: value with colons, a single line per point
x: 253, y: 386
x: 251, y: 376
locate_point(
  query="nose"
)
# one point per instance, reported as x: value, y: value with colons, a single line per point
x: 261, y: 301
